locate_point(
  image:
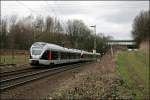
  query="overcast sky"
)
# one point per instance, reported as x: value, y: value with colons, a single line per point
x: 114, y: 18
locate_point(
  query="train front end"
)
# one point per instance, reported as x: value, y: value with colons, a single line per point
x: 36, y: 52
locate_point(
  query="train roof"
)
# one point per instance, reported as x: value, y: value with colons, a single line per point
x: 62, y: 49
x: 41, y: 44
x: 56, y: 47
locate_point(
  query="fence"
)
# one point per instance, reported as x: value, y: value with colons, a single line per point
x: 14, y: 56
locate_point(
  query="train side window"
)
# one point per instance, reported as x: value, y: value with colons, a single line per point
x: 62, y: 55
x: 55, y: 55
x: 69, y: 55
x: 72, y: 55
x: 59, y: 55
x: 66, y: 55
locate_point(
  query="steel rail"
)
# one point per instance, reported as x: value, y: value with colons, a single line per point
x: 4, y: 74
x: 30, y: 74
x: 6, y: 84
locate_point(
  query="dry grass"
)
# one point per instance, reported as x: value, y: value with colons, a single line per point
x: 99, y: 81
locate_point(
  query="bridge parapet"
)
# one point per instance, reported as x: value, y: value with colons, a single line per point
x: 130, y: 44
x: 121, y: 42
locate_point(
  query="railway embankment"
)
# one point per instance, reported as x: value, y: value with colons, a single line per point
x: 133, y: 68
x: 107, y: 79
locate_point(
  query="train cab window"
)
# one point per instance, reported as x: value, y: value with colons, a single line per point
x: 45, y: 55
x: 36, y: 50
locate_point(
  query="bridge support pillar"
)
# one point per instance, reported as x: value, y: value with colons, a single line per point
x: 111, y: 48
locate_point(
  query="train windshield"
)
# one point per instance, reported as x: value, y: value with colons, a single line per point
x: 36, y: 51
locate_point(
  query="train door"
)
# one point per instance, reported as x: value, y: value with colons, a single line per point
x: 59, y: 55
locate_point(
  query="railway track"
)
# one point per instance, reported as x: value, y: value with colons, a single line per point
x: 12, y: 80
x: 5, y: 74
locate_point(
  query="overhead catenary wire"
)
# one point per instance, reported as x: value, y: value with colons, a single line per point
x: 61, y: 13
x: 57, y: 16
x: 27, y: 7
x: 55, y: 13
x: 111, y: 6
x: 135, y: 4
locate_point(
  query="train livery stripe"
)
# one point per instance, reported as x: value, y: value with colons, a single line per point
x: 49, y: 55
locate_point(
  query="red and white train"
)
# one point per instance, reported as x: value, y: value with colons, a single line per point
x: 49, y: 54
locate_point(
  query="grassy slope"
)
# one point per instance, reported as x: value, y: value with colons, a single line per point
x: 133, y: 68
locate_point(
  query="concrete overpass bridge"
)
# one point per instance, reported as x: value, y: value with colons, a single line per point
x: 116, y: 45
x: 131, y: 44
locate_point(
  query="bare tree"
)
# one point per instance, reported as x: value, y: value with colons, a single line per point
x: 141, y: 26
x: 21, y: 32
x: 77, y: 32
x: 3, y: 33
x: 49, y: 24
x: 57, y: 26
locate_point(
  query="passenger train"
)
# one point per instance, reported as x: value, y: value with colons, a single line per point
x: 42, y: 53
